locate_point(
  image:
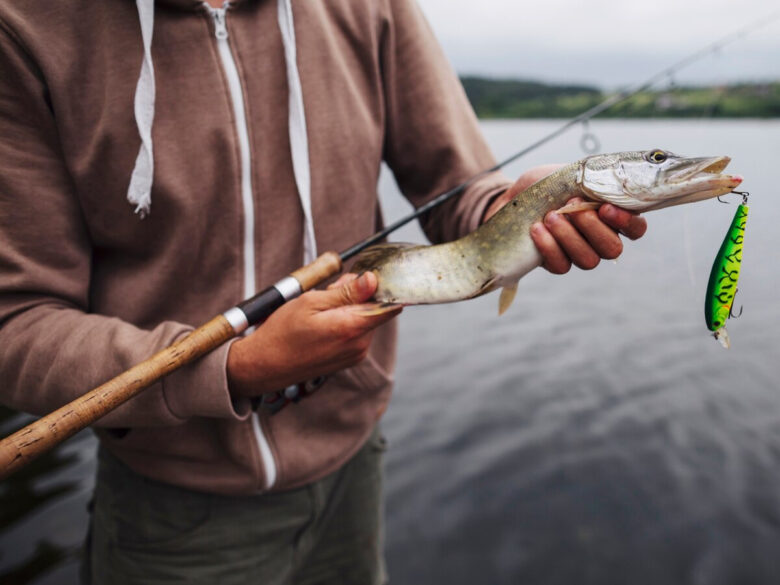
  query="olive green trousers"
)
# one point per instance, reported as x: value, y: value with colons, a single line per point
x: 328, y: 532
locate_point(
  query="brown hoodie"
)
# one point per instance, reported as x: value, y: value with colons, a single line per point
x: 87, y: 288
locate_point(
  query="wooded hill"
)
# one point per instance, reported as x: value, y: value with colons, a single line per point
x: 512, y: 98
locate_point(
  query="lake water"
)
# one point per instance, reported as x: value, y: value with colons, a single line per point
x: 593, y: 434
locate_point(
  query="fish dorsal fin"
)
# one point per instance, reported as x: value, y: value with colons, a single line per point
x: 371, y: 257
x: 507, y: 296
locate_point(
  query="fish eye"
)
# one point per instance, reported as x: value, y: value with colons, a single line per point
x: 657, y: 156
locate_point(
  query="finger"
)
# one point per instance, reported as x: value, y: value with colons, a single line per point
x: 574, y: 245
x: 353, y: 292
x: 554, y: 258
x: 629, y: 224
x: 343, y: 279
x: 602, y: 238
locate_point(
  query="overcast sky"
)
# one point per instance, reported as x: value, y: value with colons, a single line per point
x: 607, y: 42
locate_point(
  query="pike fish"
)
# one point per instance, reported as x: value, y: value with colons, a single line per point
x: 501, y: 251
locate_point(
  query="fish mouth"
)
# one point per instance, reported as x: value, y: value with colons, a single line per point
x: 711, y: 165
x: 717, y: 165
x: 699, y: 179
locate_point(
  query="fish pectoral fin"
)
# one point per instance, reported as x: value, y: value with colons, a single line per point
x: 507, y: 296
x: 578, y: 206
x: 371, y: 257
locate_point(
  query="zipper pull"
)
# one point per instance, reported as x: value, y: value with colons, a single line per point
x: 220, y: 28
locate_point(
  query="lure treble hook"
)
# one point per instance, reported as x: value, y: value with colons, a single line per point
x: 731, y: 309
x: 744, y: 194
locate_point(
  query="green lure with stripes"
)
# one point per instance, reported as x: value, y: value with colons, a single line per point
x: 722, y: 286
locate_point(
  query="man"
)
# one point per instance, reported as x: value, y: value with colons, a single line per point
x: 251, y: 139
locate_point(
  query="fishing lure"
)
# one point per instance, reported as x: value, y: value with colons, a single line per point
x: 722, y: 286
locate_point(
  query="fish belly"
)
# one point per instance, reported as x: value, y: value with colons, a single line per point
x: 432, y: 274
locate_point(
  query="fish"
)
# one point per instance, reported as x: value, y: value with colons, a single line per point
x: 500, y: 252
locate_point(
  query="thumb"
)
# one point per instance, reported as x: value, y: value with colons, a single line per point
x: 354, y: 292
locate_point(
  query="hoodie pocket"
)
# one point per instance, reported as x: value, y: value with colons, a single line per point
x: 319, y: 434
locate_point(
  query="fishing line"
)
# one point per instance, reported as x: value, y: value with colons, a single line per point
x: 599, y: 108
x: 688, y: 246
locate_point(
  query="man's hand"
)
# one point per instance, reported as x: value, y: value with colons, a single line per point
x: 581, y: 238
x: 318, y: 333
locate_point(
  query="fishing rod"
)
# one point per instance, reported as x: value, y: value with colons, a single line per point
x: 31, y: 441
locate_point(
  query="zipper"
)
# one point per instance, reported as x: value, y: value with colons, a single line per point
x: 218, y: 15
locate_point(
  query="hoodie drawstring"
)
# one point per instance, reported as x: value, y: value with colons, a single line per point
x: 139, y: 191
x: 299, y: 143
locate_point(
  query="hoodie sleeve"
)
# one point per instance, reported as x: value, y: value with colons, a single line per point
x: 433, y: 141
x: 52, y: 349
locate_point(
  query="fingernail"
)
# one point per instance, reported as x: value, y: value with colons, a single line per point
x: 537, y: 228
x: 551, y: 218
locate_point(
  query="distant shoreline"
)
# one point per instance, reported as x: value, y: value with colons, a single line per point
x: 521, y: 99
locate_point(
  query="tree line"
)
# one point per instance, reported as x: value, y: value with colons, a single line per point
x: 514, y: 98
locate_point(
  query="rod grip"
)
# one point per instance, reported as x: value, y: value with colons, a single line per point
x: 28, y: 443
x: 322, y: 268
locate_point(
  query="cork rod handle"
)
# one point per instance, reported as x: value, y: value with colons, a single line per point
x: 322, y: 268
